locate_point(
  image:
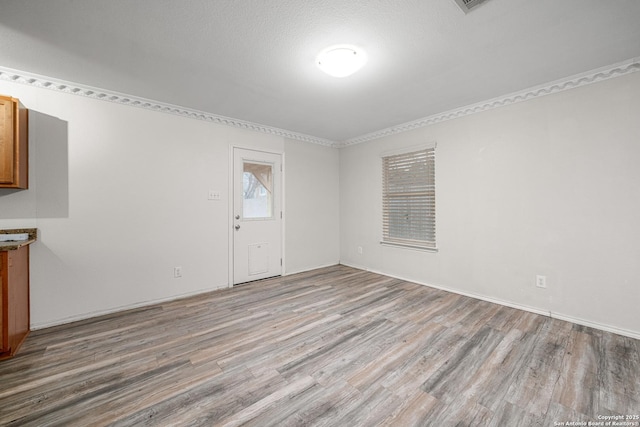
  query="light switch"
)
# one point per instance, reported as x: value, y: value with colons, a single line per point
x: 214, y: 195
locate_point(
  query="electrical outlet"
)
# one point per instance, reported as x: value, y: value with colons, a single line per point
x: 541, y: 281
x: 177, y: 272
x: 360, y: 250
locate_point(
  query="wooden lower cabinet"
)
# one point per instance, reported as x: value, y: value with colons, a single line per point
x: 14, y: 300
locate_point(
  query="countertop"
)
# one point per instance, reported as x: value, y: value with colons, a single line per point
x: 12, y: 246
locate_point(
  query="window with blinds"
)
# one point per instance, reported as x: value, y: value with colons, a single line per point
x: 409, y: 199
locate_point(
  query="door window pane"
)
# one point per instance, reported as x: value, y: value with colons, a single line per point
x: 257, y: 190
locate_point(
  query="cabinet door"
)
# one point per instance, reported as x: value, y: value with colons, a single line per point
x: 18, y: 290
x: 7, y: 146
x: 14, y: 144
x: 4, y: 337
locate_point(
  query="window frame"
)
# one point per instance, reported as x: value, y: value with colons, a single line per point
x: 422, y: 197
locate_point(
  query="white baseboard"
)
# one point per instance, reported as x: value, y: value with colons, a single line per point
x: 559, y: 316
x: 84, y: 316
x: 304, y: 270
x: 596, y: 325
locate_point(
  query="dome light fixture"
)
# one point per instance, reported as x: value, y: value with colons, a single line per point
x: 341, y: 60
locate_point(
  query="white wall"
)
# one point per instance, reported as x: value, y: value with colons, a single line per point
x: 119, y: 195
x: 312, y: 201
x: 549, y: 186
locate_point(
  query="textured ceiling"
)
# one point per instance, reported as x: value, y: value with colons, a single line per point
x: 254, y: 59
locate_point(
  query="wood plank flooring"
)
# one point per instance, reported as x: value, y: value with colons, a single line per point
x: 330, y: 347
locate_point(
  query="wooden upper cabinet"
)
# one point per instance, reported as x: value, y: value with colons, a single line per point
x: 14, y: 127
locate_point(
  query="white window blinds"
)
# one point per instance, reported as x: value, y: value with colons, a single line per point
x: 409, y: 199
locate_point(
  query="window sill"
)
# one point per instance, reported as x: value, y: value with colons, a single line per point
x: 408, y: 246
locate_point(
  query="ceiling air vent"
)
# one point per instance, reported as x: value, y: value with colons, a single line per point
x: 467, y: 5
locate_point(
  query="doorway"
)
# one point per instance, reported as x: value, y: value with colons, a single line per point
x: 257, y: 215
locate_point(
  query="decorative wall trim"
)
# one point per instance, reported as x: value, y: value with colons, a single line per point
x: 583, y: 79
x: 58, y: 85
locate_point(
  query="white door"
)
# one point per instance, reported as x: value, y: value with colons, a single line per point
x: 257, y: 215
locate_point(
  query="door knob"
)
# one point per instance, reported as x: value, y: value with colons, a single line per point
x: 238, y: 227
x: 237, y: 216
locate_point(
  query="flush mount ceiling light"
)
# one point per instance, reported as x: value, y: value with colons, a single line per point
x: 341, y: 60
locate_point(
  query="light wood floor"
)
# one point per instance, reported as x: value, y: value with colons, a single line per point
x: 331, y: 347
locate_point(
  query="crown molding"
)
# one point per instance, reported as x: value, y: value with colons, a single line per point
x: 583, y: 79
x: 578, y: 80
x: 44, y: 82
